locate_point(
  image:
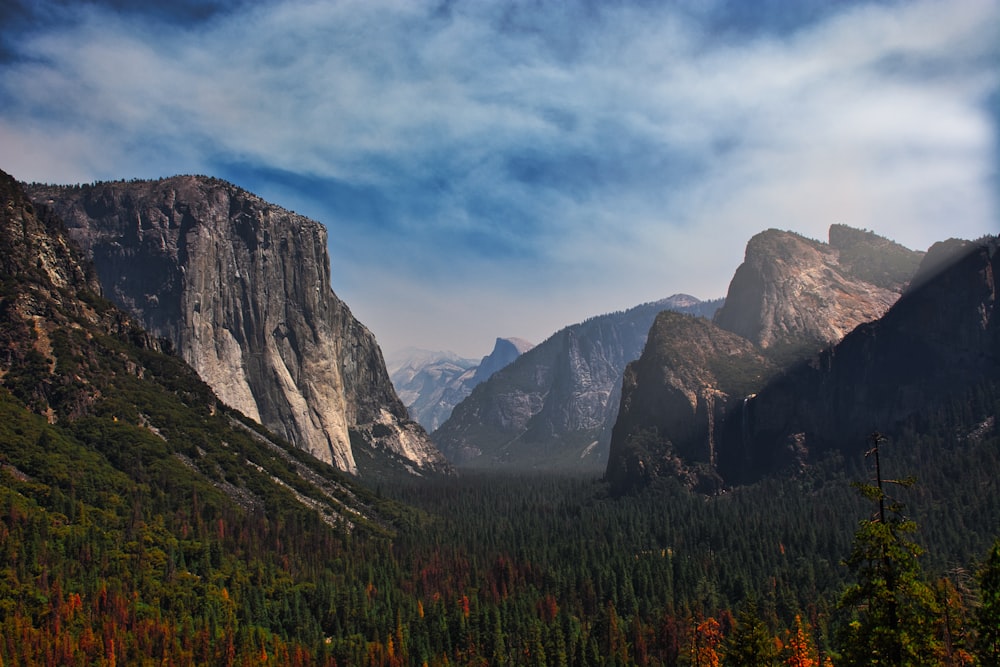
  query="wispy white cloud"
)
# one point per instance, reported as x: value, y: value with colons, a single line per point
x: 507, y: 168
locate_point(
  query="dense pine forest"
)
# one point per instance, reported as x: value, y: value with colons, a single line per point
x: 114, y: 552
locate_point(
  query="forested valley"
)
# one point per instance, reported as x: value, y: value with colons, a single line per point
x: 113, y: 552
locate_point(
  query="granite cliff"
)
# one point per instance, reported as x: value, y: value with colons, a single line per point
x: 935, y: 356
x: 937, y: 343
x: 129, y: 431
x: 793, y: 295
x: 505, y: 351
x: 677, y: 401
x: 431, y: 384
x: 241, y: 288
x: 553, y: 407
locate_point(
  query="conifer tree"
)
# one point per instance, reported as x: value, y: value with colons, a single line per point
x: 799, y: 649
x: 892, y: 609
x: 705, y: 638
x: 750, y: 644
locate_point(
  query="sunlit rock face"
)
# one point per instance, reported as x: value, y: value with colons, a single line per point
x: 798, y: 295
x: 714, y: 409
x: 242, y: 289
x: 937, y: 348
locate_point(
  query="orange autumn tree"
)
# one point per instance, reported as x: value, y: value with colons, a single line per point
x: 799, y: 649
x: 705, y: 638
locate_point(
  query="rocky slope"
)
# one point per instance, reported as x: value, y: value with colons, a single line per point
x: 554, y: 406
x: 794, y: 296
x: 431, y: 384
x: 242, y: 289
x: 103, y: 382
x: 937, y: 344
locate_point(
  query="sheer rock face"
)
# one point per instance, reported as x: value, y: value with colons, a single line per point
x: 937, y: 346
x: 714, y: 409
x: 553, y: 407
x: 795, y: 293
x: 689, y: 402
x: 679, y: 402
x: 242, y: 289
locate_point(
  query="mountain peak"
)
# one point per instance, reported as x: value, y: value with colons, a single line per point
x: 505, y: 351
x: 795, y: 292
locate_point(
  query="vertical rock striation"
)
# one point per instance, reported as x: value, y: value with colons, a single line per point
x: 242, y: 289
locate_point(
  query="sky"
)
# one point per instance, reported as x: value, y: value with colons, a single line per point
x: 506, y: 168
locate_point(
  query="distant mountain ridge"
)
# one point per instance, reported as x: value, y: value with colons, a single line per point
x: 242, y: 289
x: 553, y: 407
x: 431, y: 384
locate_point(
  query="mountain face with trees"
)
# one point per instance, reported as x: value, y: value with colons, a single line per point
x: 935, y: 346
x: 143, y: 521
x: 241, y: 289
x: 431, y: 384
x: 142, y: 516
x: 553, y: 407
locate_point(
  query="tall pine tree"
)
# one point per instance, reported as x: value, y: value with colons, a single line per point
x: 750, y: 644
x: 891, y: 608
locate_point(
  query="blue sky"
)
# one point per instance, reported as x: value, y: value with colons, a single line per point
x: 506, y: 168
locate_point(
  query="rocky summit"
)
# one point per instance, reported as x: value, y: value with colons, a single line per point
x: 793, y: 295
x: 713, y: 408
x: 242, y: 289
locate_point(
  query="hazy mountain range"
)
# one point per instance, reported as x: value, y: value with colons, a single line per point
x: 553, y: 407
x: 431, y: 384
